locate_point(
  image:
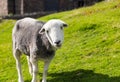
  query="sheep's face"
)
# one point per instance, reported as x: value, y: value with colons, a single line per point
x: 54, y: 32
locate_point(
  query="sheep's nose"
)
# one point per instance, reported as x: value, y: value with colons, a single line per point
x: 58, y: 42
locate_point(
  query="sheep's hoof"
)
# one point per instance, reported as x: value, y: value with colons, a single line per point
x: 20, y: 80
x: 33, y: 81
x: 43, y: 80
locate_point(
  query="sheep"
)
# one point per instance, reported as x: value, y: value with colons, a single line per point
x: 39, y: 41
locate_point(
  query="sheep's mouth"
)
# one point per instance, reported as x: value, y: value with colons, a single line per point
x: 59, y: 45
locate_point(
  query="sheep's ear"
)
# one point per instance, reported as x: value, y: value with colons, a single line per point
x: 42, y: 31
x: 65, y: 25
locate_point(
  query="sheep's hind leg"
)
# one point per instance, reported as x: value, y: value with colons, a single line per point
x: 18, y: 64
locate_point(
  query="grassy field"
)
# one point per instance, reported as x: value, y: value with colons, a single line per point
x: 90, y: 53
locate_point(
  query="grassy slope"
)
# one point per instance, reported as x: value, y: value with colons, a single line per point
x: 90, y: 53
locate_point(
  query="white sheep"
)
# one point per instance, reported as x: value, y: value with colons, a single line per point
x: 37, y: 40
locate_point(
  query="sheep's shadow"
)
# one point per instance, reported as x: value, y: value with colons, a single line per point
x: 80, y: 76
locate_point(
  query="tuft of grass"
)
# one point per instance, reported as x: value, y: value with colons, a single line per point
x: 90, y: 53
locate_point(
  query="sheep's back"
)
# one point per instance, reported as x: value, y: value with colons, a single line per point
x: 24, y: 31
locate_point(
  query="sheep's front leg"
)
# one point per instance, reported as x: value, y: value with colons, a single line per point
x: 30, y: 65
x: 46, y: 65
x: 35, y: 69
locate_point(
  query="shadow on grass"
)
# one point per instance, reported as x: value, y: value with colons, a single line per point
x: 27, y: 80
x: 82, y: 76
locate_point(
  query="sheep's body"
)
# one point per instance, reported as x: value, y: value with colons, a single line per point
x: 26, y: 37
x: 32, y: 38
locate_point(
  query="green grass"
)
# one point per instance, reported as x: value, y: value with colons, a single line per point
x: 90, y: 53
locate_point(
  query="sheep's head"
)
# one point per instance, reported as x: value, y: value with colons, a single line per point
x: 54, y: 32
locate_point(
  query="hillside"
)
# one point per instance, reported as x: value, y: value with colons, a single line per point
x: 90, y: 53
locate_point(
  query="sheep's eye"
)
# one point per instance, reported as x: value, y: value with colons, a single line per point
x: 47, y: 31
x: 61, y: 27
